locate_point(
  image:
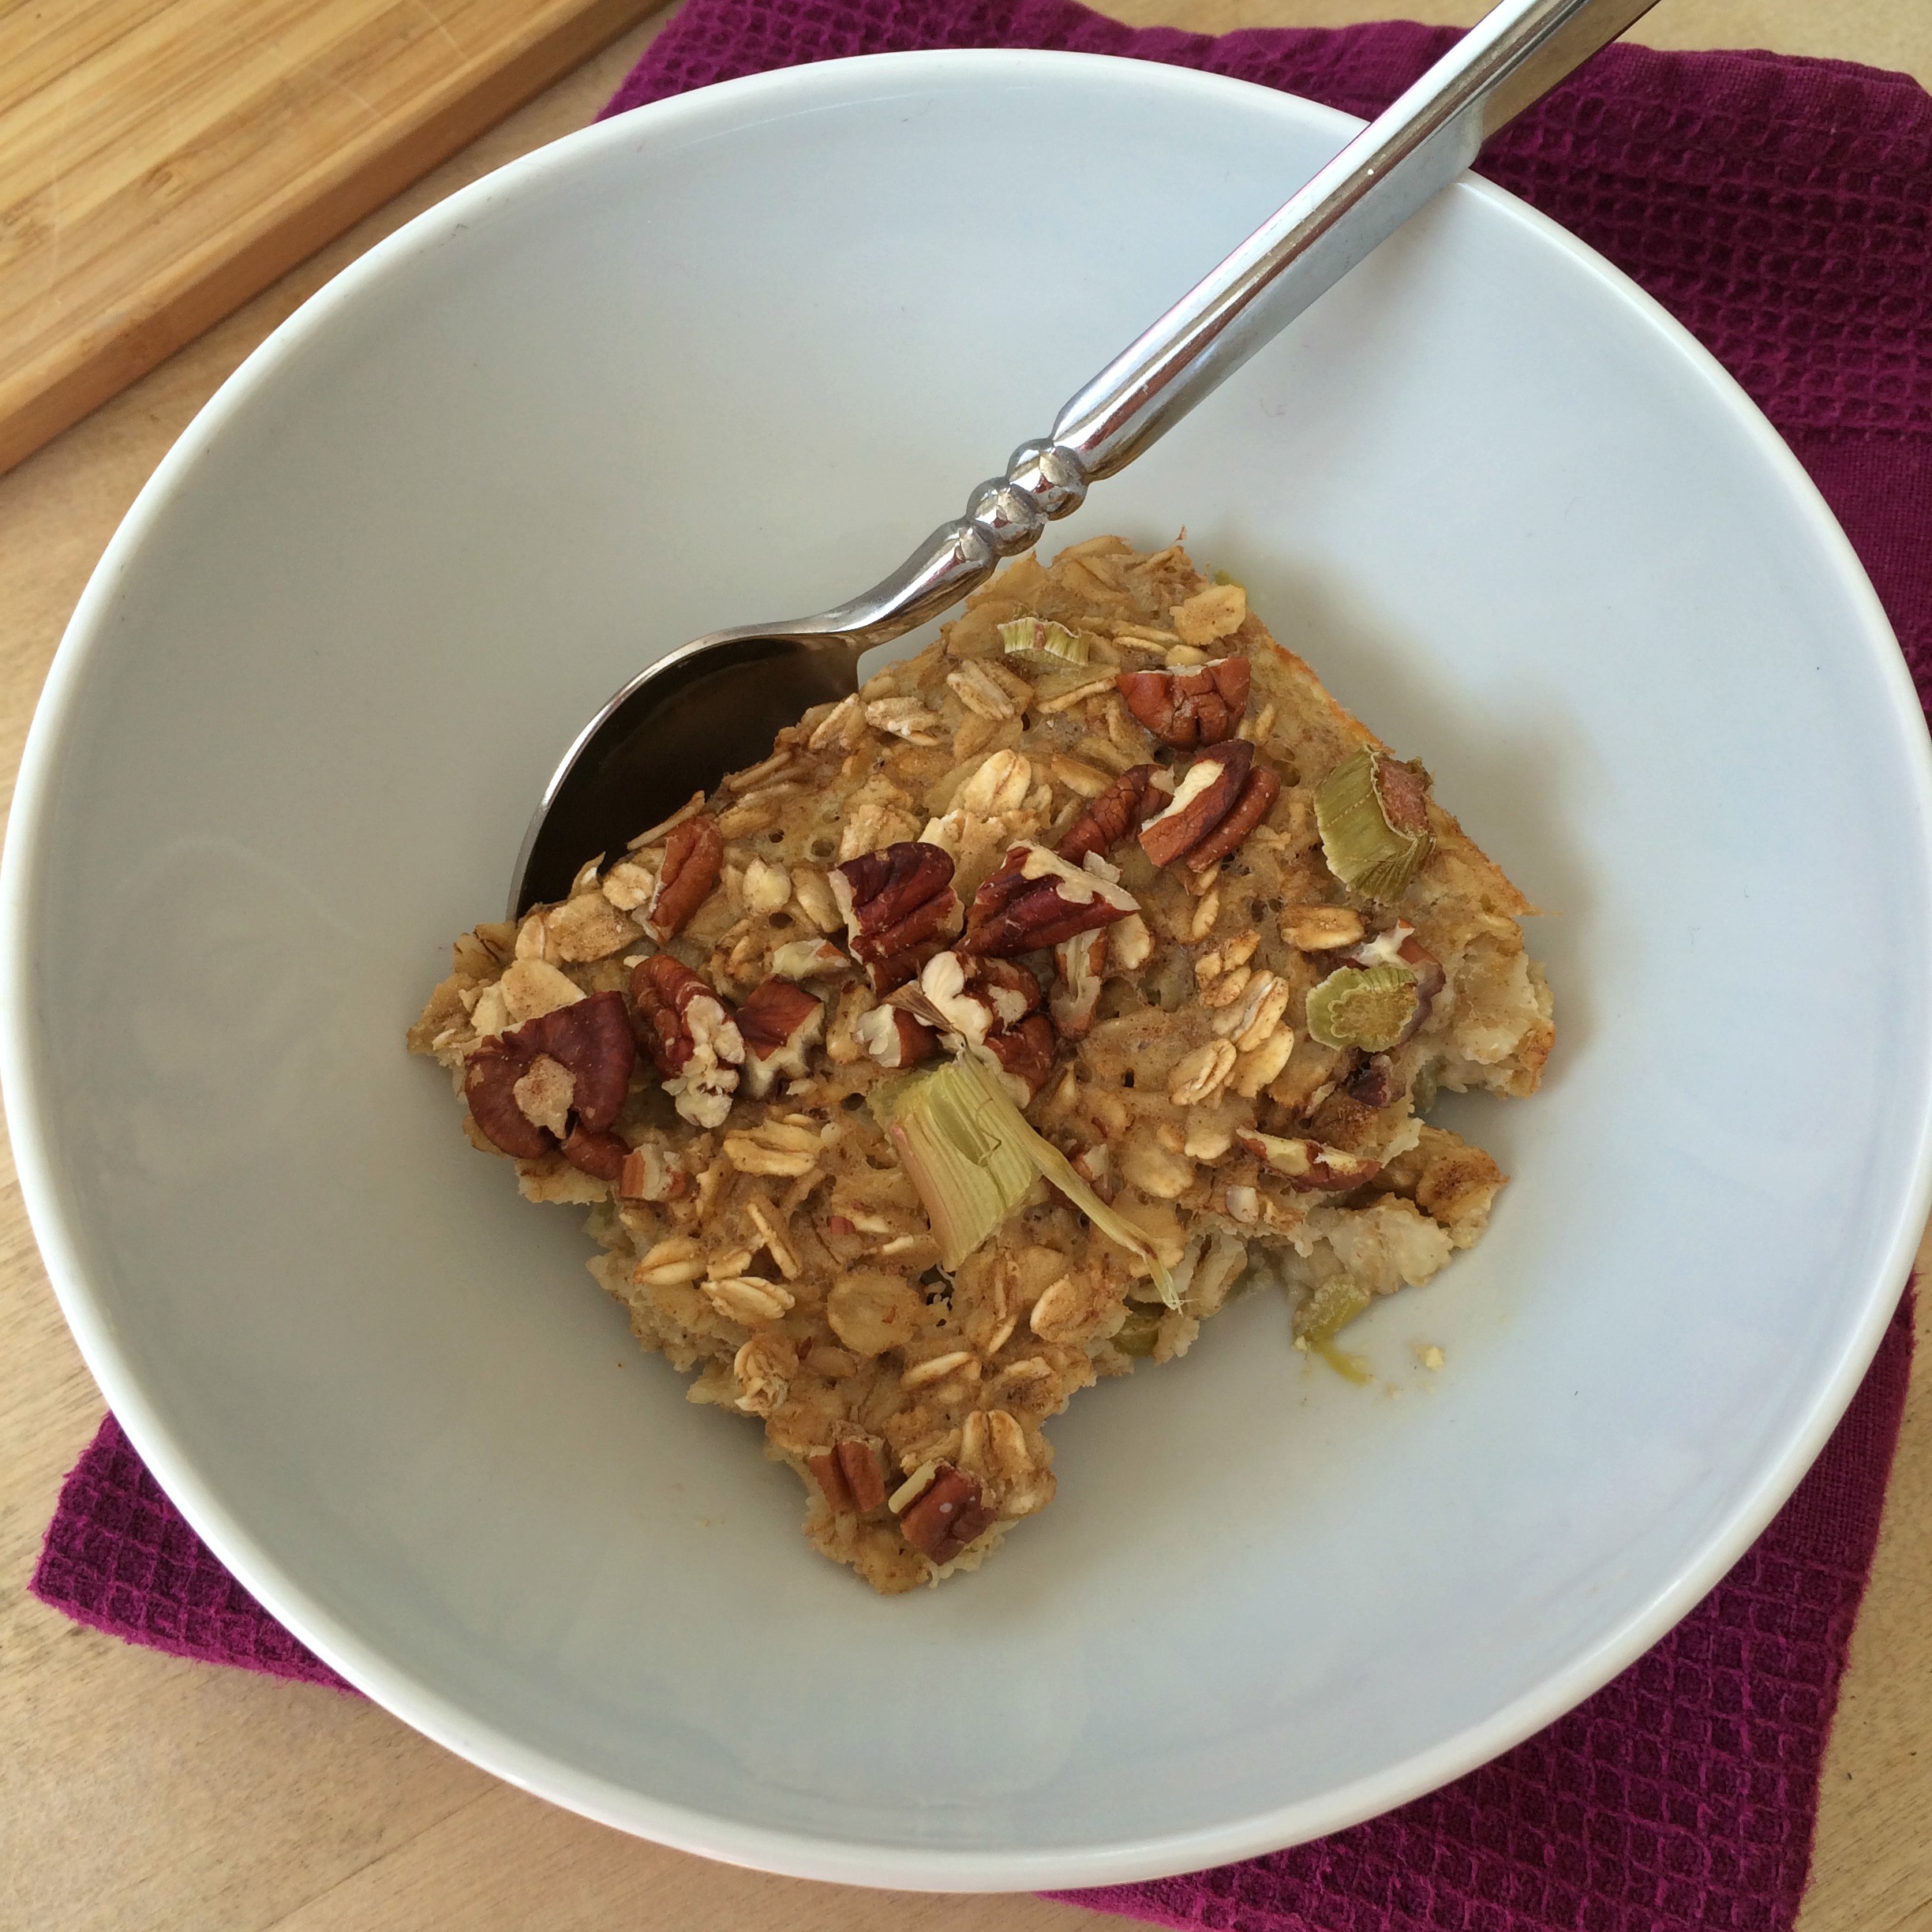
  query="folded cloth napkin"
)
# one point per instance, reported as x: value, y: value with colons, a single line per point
x: 1782, y: 209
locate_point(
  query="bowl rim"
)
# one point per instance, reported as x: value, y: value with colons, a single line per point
x: 24, y: 878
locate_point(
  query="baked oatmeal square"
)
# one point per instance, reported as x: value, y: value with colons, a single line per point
x: 988, y: 1036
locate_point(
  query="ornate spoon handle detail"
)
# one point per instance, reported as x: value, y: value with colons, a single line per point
x: 1419, y: 144
x: 674, y: 726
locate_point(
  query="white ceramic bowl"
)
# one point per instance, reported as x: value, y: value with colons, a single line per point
x: 724, y: 359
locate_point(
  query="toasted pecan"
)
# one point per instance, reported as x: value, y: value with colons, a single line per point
x: 899, y: 904
x: 946, y: 1516
x: 1115, y: 813
x: 694, y: 856
x: 1189, y: 708
x: 1263, y: 787
x: 1205, y: 795
x: 1037, y: 899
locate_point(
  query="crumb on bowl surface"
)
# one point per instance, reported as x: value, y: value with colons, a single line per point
x: 982, y: 1040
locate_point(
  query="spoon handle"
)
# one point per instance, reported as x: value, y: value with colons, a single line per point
x: 1426, y: 137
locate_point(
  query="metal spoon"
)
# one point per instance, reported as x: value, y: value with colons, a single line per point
x: 714, y: 705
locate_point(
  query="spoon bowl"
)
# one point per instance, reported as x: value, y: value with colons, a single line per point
x: 714, y: 705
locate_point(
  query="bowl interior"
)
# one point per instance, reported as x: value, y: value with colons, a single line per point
x: 724, y: 359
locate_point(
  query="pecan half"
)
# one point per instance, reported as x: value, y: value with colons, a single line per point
x: 693, y: 855
x: 1374, y: 1085
x: 590, y: 1041
x: 1037, y: 899
x: 895, y: 902
x: 947, y: 1515
x: 895, y: 1037
x: 849, y: 1474
x: 1309, y: 1165
x: 1025, y: 1052
x: 1114, y: 814
x: 1263, y: 787
x: 1205, y: 795
x: 688, y: 1031
x: 780, y: 1024
x: 1189, y: 708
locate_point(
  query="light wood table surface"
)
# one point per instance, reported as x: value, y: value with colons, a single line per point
x: 163, y: 160
x: 139, y: 1791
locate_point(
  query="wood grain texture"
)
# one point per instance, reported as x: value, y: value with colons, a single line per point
x: 139, y: 1793
x: 163, y: 160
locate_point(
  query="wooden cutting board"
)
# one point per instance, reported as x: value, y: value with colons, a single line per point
x: 161, y: 160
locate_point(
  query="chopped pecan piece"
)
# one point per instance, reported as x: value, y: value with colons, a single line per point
x: 859, y: 1460
x: 899, y: 904
x: 661, y: 986
x: 1094, y: 1165
x: 1025, y: 1052
x: 895, y: 1037
x: 694, y: 856
x: 1189, y: 708
x: 969, y: 998
x: 689, y: 1031
x: 990, y: 1005
x: 808, y: 959
x: 647, y: 1175
x: 1082, y: 966
x: 946, y: 1516
x: 1205, y: 795
x: 1037, y: 899
x: 1263, y: 787
x: 1309, y: 1165
x: 780, y: 1024
x: 824, y: 1465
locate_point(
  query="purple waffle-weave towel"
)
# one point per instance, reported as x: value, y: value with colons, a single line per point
x: 1783, y: 210
x: 1681, y: 1794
